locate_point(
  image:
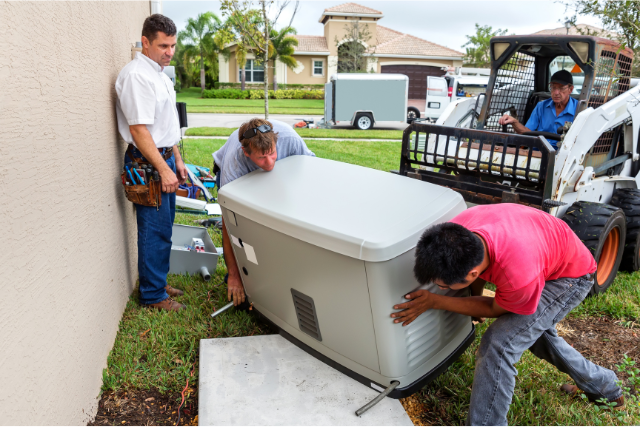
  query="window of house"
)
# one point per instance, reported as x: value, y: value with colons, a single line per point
x: 253, y: 72
x: 318, y: 67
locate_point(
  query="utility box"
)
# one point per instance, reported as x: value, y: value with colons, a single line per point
x: 364, y: 99
x: 183, y: 260
x: 326, y: 249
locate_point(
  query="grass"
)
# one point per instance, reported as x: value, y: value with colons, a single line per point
x: 311, y: 133
x: 159, y: 350
x: 196, y: 104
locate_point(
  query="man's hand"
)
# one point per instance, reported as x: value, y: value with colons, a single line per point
x: 181, y: 171
x: 235, y: 290
x: 170, y: 182
x: 421, y: 301
x: 508, y: 120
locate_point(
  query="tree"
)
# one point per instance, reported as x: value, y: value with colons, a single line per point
x: 197, y: 40
x: 622, y: 17
x: 231, y: 32
x: 259, y: 35
x: 352, y: 48
x: 283, y: 48
x: 478, y: 50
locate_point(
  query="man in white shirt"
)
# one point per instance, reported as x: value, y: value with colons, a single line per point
x: 148, y: 119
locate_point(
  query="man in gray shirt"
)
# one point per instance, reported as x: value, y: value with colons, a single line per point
x: 258, y: 144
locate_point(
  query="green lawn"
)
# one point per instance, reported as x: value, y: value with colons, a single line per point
x: 196, y: 104
x: 154, y: 349
x: 310, y: 133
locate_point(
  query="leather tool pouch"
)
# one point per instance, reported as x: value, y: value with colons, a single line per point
x: 145, y: 195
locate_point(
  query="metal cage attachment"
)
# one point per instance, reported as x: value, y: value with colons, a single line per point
x: 481, y: 165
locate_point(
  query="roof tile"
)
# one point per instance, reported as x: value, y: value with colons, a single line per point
x: 352, y: 8
x: 395, y: 42
x: 311, y: 44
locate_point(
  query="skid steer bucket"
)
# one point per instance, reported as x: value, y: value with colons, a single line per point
x: 485, y: 167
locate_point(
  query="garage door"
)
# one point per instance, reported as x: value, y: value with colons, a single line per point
x: 417, y: 77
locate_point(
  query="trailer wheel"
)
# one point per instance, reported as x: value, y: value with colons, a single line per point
x: 628, y: 199
x: 364, y: 121
x: 602, y: 228
x: 412, y: 114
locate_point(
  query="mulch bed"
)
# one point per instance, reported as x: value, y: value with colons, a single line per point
x: 600, y: 340
x: 146, y: 408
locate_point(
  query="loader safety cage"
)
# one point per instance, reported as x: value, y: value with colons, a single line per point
x: 485, y: 167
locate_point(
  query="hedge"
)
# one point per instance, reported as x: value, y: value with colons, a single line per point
x: 260, y: 86
x: 259, y: 94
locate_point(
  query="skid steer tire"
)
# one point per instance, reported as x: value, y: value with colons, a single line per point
x: 628, y: 199
x: 602, y: 228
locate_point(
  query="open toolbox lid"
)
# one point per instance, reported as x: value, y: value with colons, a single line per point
x: 355, y: 211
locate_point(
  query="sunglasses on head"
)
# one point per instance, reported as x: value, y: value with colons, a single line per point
x: 250, y: 133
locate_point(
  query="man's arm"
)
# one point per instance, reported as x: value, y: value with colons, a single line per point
x: 517, y: 126
x: 181, y: 169
x: 144, y: 143
x: 235, y: 289
x: 423, y: 300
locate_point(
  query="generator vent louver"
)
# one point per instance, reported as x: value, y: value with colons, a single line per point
x: 306, y: 314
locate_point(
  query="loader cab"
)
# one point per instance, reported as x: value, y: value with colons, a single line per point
x: 521, y: 67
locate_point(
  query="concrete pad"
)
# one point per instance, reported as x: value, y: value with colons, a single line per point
x: 266, y: 380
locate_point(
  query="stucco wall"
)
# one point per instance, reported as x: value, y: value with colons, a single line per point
x: 69, y: 244
x: 305, y: 71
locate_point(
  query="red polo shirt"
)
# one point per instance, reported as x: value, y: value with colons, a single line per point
x: 526, y: 247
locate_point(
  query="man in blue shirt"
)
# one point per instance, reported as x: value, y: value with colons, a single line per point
x: 549, y: 114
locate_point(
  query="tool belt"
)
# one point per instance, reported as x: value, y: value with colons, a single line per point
x: 141, y: 187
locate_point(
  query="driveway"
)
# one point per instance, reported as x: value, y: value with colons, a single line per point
x: 235, y: 120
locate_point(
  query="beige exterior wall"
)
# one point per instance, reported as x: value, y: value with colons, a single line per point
x: 69, y: 235
x: 337, y: 27
x: 303, y: 74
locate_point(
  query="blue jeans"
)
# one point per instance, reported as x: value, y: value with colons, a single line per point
x: 511, y: 334
x: 155, y: 226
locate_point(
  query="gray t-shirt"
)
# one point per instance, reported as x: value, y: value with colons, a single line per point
x: 233, y: 163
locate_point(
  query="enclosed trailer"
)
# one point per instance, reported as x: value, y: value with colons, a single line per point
x: 364, y: 99
x: 326, y: 249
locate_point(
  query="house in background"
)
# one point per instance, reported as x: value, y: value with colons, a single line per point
x: 317, y: 56
x: 581, y: 29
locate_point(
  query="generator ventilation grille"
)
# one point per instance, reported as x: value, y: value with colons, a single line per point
x: 306, y: 314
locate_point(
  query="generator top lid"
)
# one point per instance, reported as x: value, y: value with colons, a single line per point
x: 359, y: 212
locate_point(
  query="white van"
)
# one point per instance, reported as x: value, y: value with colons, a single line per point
x: 441, y: 91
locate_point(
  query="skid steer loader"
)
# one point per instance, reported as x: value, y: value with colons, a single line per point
x: 591, y: 180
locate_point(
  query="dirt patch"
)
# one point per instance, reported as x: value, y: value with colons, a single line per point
x: 601, y: 340
x: 146, y: 407
x: 415, y: 408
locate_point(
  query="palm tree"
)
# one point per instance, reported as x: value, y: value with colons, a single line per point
x: 197, y: 39
x: 283, y: 48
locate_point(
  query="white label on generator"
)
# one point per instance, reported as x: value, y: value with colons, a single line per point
x: 251, y: 254
x: 235, y: 240
x: 377, y: 387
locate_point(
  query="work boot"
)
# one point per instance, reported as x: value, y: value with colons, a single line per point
x: 573, y: 390
x: 173, y: 292
x: 168, y: 304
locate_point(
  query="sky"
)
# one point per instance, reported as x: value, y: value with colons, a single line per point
x: 442, y: 22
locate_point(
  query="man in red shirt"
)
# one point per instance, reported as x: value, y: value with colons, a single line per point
x: 541, y: 271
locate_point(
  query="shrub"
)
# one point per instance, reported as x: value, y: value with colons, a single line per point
x: 260, y: 86
x: 225, y: 94
x: 288, y: 94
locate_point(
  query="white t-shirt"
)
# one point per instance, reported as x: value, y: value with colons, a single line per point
x: 146, y: 96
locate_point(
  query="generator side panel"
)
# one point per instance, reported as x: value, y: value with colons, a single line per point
x: 328, y: 102
x: 411, y: 351
x: 329, y: 290
x: 387, y: 99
